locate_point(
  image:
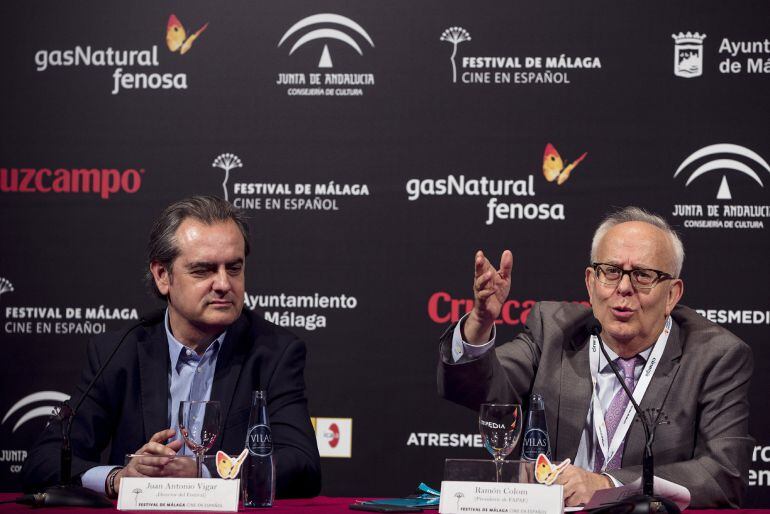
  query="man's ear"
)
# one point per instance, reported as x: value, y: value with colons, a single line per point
x: 161, y: 275
x: 590, y: 278
x: 675, y: 292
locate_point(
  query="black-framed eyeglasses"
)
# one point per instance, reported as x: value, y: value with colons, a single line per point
x: 611, y: 275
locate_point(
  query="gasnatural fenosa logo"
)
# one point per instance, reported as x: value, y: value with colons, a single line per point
x: 124, y: 63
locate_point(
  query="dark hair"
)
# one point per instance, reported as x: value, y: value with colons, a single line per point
x: 162, y: 246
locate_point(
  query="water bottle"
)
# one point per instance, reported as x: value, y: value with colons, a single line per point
x: 258, y: 473
x: 536, y: 431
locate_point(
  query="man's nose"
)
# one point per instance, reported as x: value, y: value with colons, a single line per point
x: 625, y: 287
x: 222, y: 280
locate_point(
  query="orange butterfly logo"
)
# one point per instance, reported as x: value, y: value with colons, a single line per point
x: 553, y: 165
x: 545, y: 472
x: 228, y: 467
x: 176, y: 36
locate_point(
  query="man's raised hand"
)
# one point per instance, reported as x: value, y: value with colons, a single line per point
x: 490, y: 290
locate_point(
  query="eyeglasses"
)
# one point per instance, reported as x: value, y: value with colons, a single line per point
x: 644, y: 279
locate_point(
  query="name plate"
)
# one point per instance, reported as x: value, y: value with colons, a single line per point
x: 500, y: 497
x: 210, y: 494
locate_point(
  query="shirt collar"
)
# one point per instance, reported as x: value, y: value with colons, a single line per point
x: 603, y: 364
x: 180, y: 354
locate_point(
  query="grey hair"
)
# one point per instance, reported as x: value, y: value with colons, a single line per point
x: 637, y: 214
x: 162, y: 246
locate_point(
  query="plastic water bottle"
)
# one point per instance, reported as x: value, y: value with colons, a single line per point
x: 258, y: 473
x: 536, y: 431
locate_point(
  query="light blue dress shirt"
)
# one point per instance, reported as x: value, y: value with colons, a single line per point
x: 190, y: 377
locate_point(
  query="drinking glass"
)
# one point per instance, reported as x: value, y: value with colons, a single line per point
x: 500, y: 428
x: 199, y: 424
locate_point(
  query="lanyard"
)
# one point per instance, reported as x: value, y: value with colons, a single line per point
x: 610, y: 448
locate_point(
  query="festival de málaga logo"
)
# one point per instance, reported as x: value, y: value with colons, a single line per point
x: 308, y: 34
x: 227, y: 162
x: 5, y: 286
x: 248, y: 192
x: 27, y: 320
x: 509, y: 69
x: 125, y: 65
x: 728, y: 160
x: 455, y: 36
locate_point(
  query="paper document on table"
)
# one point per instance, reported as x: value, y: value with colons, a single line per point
x: 674, y: 492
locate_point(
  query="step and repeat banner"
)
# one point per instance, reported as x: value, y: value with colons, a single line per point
x: 375, y: 146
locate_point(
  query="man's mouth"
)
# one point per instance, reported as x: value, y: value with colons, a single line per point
x: 622, y: 312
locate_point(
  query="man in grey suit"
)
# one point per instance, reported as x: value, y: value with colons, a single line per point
x: 691, y: 374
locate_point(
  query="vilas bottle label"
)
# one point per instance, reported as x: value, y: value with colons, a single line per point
x: 259, y: 440
x: 535, y: 443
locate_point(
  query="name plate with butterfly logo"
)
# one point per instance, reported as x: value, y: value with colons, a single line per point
x: 196, y: 494
x: 500, y: 497
x: 525, y: 487
x: 191, y: 494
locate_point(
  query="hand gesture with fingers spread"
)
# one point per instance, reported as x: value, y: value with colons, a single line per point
x: 490, y: 290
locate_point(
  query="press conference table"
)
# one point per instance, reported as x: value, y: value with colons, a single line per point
x: 317, y: 505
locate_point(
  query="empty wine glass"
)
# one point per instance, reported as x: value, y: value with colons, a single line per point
x: 199, y: 424
x: 500, y: 428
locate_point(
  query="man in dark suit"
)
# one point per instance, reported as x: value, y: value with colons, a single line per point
x: 204, y: 346
x: 692, y: 371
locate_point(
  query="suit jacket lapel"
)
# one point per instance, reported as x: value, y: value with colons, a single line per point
x: 154, y: 364
x: 654, y: 396
x: 575, y: 397
x: 229, y: 364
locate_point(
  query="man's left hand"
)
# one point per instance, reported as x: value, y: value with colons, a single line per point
x: 580, y: 485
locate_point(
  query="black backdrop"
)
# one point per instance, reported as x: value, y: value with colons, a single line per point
x: 346, y: 184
